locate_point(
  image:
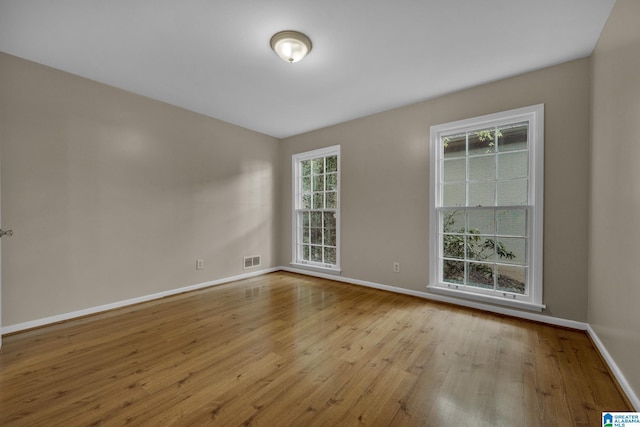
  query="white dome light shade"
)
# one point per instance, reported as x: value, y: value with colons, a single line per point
x: 291, y: 46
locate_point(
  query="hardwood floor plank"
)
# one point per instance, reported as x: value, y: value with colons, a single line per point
x: 289, y: 350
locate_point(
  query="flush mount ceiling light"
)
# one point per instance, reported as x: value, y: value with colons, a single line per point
x: 291, y: 46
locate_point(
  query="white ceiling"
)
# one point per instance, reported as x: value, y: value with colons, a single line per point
x: 213, y: 56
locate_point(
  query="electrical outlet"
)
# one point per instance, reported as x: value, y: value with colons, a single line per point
x: 199, y: 264
x: 396, y: 267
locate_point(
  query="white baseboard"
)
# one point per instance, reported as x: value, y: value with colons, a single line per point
x: 624, y: 384
x: 93, y: 310
x: 557, y: 321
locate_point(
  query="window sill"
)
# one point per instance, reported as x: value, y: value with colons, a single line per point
x: 310, y: 267
x: 525, y: 305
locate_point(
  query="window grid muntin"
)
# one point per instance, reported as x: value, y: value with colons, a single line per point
x: 496, y: 261
x: 440, y: 206
x: 324, y: 185
x: 495, y: 153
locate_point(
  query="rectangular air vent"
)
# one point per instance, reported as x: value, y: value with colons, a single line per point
x: 251, y: 261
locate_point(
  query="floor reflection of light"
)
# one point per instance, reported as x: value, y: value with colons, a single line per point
x: 252, y: 292
x: 448, y: 410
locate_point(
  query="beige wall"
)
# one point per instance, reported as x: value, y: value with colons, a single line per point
x: 614, y: 274
x: 113, y: 196
x: 385, y: 182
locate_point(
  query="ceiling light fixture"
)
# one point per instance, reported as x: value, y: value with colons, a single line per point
x: 291, y: 46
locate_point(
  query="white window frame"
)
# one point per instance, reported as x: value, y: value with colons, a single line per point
x: 532, y: 299
x: 297, y: 160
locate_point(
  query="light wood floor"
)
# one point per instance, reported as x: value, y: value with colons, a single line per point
x: 289, y: 350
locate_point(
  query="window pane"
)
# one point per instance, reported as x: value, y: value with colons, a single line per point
x: 306, y: 252
x: 453, y: 221
x: 513, y: 165
x: 512, y: 222
x: 454, y: 194
x: 455, y: 145
x: 481, y: 221
x: 513, y: 192
x: 453, y: 245
x: 303, y: 235
x: 511, y: 278
x: 306, y: 167
x: 306, y: 201
x: 318, y: 165
x: 303, y: 218
x: 329, y: 220
x: 306, y: 184
x: 453, y: 271
x: 480, y: 275
x: 330, y: 255
x: 482, y: 142
x: 318, y: 200
x: 330, y: 237
x: 482, y: 168
x: 454, y: 170
x: 332, y: 181
x: 318, y: 183
x: 512, y: 250
x: 332, y: 164
x: 316, y: 253
x: 482, y: 193
x: 331, y: 200
x: 316, y: 236
x: 514, y: 137
x: 316, y: 219
x: 480, y: 248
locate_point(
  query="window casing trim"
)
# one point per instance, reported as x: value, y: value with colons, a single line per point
x: 296, y: 160
x: 534, y: 115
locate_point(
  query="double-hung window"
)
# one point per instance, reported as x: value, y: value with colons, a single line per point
x: 316, y: 208
x: 486, y: 208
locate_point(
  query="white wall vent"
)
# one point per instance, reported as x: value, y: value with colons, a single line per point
x: 251, y: 261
